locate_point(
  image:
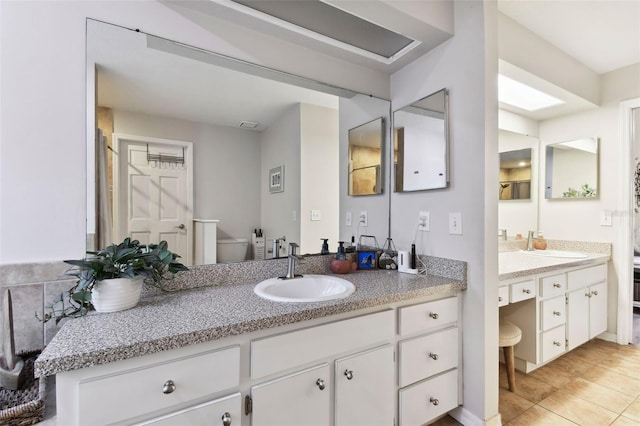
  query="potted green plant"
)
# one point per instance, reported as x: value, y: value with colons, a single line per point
x: 111, y: 279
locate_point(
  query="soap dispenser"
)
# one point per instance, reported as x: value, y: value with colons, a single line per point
x: 340, y: 265
x: 325, y: 246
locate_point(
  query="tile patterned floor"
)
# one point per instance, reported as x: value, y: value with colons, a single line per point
x: 596, y: 384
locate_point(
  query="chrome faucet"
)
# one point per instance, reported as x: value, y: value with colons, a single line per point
x: 292, y: 259
x: 502, y: 234
x: 530, y: 241
x: 276, y: 246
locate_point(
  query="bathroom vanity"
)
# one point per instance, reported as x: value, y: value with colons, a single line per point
x: 558, y: 303
x: 388, y: 354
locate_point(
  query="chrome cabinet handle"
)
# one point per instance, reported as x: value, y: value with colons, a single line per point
x: 433, y: 315
x: 556, y: 343
x: 168, y: 387
x: 320, y: 384
x: 556, y: 313
x: 526, y: 290
x: 226, y: 419
x: 434, y: 356
x: 499, y: 299
x: 588, y: 294
x: 348, y: 374
x: 434, y: 401
x: 556, y: 285
x: 595, y: 293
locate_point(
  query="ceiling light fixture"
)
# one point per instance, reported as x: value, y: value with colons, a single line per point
x: 520, y: 95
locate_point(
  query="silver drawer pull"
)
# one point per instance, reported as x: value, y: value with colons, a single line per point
x: 320, y: 384
x: 595, y: 293
x: 433, y: 315
x: 556, y: 285
x: 556, y: 313
x: 556, y: 343
x: 588, y: 294
x: 168, y: 387
x: 348, y: 374
x: 526, y: 290
x: 434, y: 401
x: 226, y: 419
x: 434, y: 356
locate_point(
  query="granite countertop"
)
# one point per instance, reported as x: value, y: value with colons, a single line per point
x: 514, y: 264
x: 173, y: 320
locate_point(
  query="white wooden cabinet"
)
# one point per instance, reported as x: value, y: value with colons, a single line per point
x: 364, y: 387
x: 568, y: 309
x: 333, y: 371
x: 299, y: 399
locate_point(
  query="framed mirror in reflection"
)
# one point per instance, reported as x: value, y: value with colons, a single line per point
x: 571, y: 169
x: 421, y: 141
x: 365, y: 158
x: 515, y: 175
x: 231, y: 123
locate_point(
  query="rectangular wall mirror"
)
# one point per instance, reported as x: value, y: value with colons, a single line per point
x: 366, y: 144
x: 515, y: 175
x: 225, y: 126
x: 420, y: 148
x: 571, y: 169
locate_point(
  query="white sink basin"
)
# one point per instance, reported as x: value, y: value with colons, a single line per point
x: 556, y: 253
x: 309, y: 288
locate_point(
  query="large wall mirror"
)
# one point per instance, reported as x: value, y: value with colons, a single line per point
x: 366, y: 147
x: 571, y: 169
x: 190, y: 136
x: 420, y: 147
x: 518, y: 186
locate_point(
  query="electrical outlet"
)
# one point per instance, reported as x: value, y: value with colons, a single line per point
x: 364, y: 218
x: 348, y: 221
x: 605, y: 218
x: 455, y: 223
x: 423, y: 221
x: 315, y: 215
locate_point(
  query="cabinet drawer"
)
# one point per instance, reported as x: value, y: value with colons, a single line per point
x: 522, y: 291
x: 211, y: 412
x: 424, y: 401
x: 425, y: 356
x: 553, y: 285
x: 587, y: 276
x: 552, y: 313
x: 138, y: 392
x: 503, y: 295
x: 282, y: 352
x: 427, y: 316
x: 553, y: 343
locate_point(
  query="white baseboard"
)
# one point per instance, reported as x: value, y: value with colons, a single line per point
x: 467, y: 418
x: 609, y: 337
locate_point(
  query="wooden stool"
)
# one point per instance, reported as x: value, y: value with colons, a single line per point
x: 510, y: 335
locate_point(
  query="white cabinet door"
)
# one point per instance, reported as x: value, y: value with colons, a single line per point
x: 299, y: 399
x: 364, y: 388
x: 577, y: 318
x: 597, y: 309
x: 223, y: 412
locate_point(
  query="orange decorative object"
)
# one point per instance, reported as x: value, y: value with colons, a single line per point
x: 539, y: 243
x: 341, y: 266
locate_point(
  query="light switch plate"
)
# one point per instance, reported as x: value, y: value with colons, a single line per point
x: 605, y: 218
x: 348, y: 220
x: 315, y: 215
x: 455, y: 223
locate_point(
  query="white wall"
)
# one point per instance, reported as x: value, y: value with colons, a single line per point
x: 226, y: 164
x: 281, y: 146
x: 43, y: 148
x: 580, y: 219
x: 472, y: 191
x: 320, y: 183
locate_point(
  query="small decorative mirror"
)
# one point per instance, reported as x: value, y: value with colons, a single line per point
x: 365, y: 158
x: 421, y: 139
x: 515, y: 175
x: 572, y: 169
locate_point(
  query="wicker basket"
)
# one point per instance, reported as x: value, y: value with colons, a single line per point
x: 25, y: 406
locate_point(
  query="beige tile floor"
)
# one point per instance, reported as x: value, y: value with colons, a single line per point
x: 596, y: 384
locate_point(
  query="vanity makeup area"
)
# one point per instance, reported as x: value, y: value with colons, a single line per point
x: 557, y: 296
x: 212, y: 350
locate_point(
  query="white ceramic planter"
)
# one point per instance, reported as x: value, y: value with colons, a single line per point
x: 116, y: 294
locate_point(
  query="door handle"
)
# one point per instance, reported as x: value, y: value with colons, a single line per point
x: 181, y: 226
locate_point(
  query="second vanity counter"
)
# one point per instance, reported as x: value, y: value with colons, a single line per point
x: 514, y: 264
x: 177, y: 319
